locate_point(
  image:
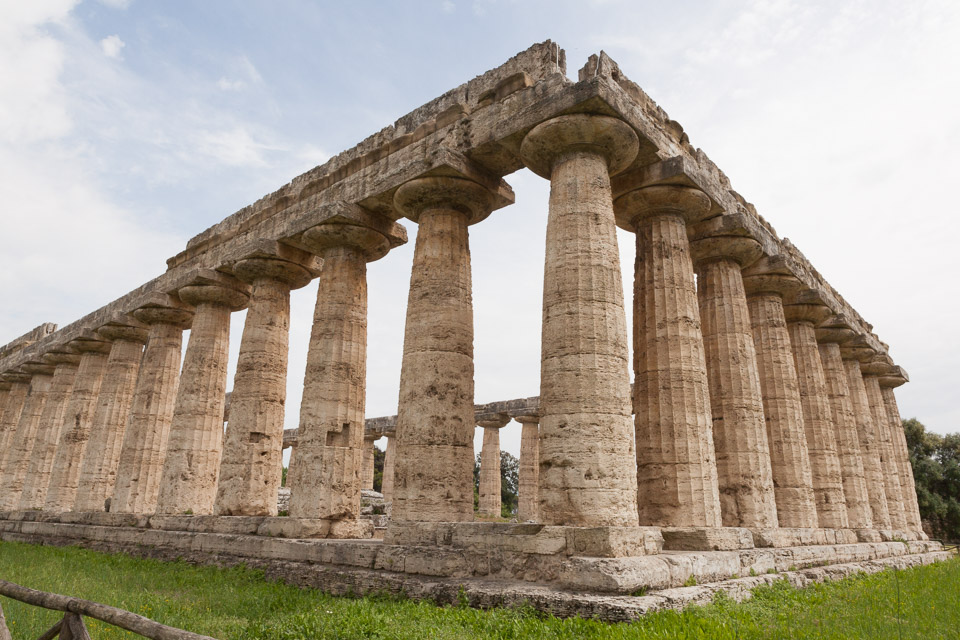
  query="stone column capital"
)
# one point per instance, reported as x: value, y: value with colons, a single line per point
x: 64, y: 355
x: 527, y: 419
x: 333, y: 234
x: 161, y: 308
x: 894, y: 377
x: 836, y: 330
x: 687, y: 202
x: 496, y: 422
x: 812, y: 313
x: 14, y: 377
x: 422, y: 194
x: 723, y: 237
x: 211, y: 287
x: 124, y: 329
x: 857, y: 350
x: 272, y: 260
x: 609, y: 137
x: 90, y: 342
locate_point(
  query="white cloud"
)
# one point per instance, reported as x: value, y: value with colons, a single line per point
x: 112, y: 46
x: 447, y: 6
x: 234, y: 147
x: 243, y: 74
x: 116, y: 4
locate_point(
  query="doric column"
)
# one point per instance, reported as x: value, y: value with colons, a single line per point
x: 41, y: 457
x: 251, y: 467
x: 325, y: 479
x: 369, y: 462
x: 676, y: 463
x: 817, y: 416
x: 188, y: 483
x: 892, y: 379
x: 829, y: 337
x: 529, y: 499
x: 16, y: 397
x: 434, y: 466
x: 744, y: 474
x: 98, y: 472
x: 65, y: 476
x: 389, y: 460
x: 888, y: 460
x: 17, y: 458
x: 766, y: 283
x: 587, y: 449
x: 145, y: 441
x: 870, y: 446
x: 490, y: 503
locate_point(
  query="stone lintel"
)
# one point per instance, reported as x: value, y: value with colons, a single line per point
x: 677, y: 171
x: 706, y: 538
x: 528, y: 538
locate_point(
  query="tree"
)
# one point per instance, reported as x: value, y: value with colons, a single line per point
x: 509, y: 484
x: 378, y: 458
x: 936, y: 472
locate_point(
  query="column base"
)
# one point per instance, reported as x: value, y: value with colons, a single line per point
x: 529, y: 538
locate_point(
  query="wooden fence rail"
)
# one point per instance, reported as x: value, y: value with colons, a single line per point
x: 71, y: 627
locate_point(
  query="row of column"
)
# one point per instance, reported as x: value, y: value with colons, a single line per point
x: 748, y: 408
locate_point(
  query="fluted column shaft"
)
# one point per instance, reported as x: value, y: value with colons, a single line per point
x: 870, y: 446
x: 251, y: 467
x: 529, y: 481
x: 782, y: 407
x: 16, y: 397
x: 192, y: 465
x: 51, y: 425
x: 145, y: 441
x: 888, y: 460
x: 907, y: 484
x: 78, y: 421
x: 17, y: 458
x: 325, y: 479
x: 744, y: 473
x: 587, y: 448
x: 490, y: 503
x: 818, y: 424
x: 855, y: 492
x: 389, y: 460
x: 369, y: 463
x: 98, y: 472
x: 434, y: 463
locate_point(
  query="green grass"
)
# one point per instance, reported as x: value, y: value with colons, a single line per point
x: 239, y: 603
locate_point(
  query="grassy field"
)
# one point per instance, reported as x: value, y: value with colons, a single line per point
x: 238, y: 603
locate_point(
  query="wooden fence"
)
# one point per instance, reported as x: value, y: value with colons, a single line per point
x: 71, y: 626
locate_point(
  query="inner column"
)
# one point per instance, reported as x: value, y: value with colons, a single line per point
x: 433, y: 477
x: 490, y: 500
x: 587, y: 450
x: 907, y: 484
x: 888, y: 461
x: 676, y: 463
x: 869, y: 444
x: 529, y: 499
x: 16, y: 397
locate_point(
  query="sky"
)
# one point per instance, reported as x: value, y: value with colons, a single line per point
x: 129, y: 126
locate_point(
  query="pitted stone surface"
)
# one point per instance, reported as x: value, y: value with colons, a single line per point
x: 78, y: 421
x: 17, y: 458
x: 528, y: 502
x: 251, y: 464
x: 676, y: 464
x: 48, y: 430
x: 192, y: 463
x: 896, y: 500
x: 587, y: 451
x: 145, y: 441
x: 489, y: 500
x: 870, y: 446
x: 789, y: 458
x: 818, y: 425
x: 16, y: 397
x: 907, y: 484
x: 744, y: 473
x: 98, y: 472
x: 848, y: 443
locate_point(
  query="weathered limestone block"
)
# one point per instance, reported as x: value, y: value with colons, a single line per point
x: 78, y: 421
x: 744, y: 474
x: 369, y: 471
x: 41, y: 458
x: 389, y: 460
x: 870, y: 446
x: 325, y: 478
x: 434, y: 464
x: 98, y: 471
x: 192, y: 465
x: 817, y: 416
x: 490, y: 502
x: 848, y: 443
x: 17, y: 458
x: 145, y: 441
x: 528, y: 502
x: 782, y: 408
x: 251, y: 466
x: 16, y: 397
x: 676, y: 463
x: 907, y: 483
x: 587, y: 450
x: 888, y: 460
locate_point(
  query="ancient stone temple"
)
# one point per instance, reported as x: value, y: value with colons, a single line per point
x: 756, y: 429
